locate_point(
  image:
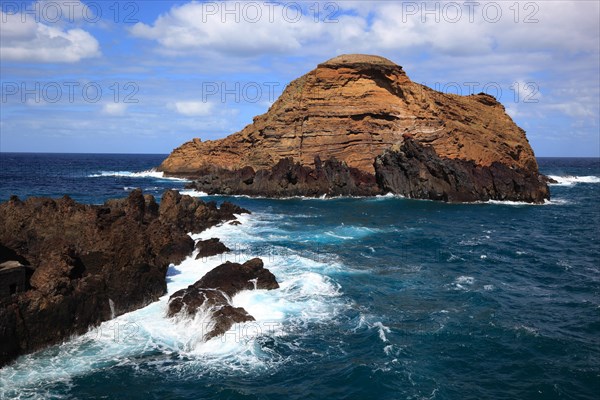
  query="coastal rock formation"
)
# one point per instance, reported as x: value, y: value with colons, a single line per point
x: 289, y: 178
x: 74, y: 266
x: 210, y: 247
x: 351, y: 109
x: 416, y: 171
x: 213, y: 293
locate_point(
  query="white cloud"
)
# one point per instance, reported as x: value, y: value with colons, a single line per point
x: 27, y: 38
x: 114, y: 109
x: 575, y: 109
x: 559, y: 53
x: 375, y: 27
x: 192, y: 108
x: 196, y: 26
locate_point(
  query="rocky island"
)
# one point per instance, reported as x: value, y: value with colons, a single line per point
x: 357, y: 125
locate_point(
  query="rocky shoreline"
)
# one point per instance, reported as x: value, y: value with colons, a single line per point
x: 66, y: 267
x: 410, y: 169
x: 354, y: 126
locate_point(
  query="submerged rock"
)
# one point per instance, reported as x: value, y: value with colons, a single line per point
x: 349, y: 111
x: 84, y: 264
x: 212, y: 294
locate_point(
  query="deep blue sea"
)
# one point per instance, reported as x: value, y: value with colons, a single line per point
x: 380, y: 298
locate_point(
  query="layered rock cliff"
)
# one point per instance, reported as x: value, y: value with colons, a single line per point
x: 352, y: 109
x: 69, y: 266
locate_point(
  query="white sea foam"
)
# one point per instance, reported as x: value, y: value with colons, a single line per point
x: 462, y: 283
x: 468, y: 280
x: 527, y: 330
x: 382, y: 331
x: 193, y: 193
x: 388, y: 350
x: 513, y: 203
x: 306, y: 297
x: 151, y: 173
x: 569, y: 180
x: 197, y: 193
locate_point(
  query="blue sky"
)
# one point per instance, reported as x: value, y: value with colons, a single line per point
x: 146, y: 76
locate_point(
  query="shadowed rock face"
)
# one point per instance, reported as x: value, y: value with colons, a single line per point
x: 410, y: 169
x: 416, y: 171
x: 289, y: 178
x: 213, y: 293
x: 82, y: 256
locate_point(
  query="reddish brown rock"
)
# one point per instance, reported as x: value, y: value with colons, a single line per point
x: 232, y: 278
x: 210, y: 247
x: 352, y: 108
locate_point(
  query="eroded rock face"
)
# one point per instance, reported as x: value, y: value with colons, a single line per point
x: 353, y: 108
x: 416, y: 171
x: 82, y: 256
x: 213, y: 293
x: 288, y: 178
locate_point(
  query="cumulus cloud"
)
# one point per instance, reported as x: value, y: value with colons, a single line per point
x: 192, y: 108
x: 455, y: 28
x: 45, y: 37
x: 199, y: 26
x: 552, y: 44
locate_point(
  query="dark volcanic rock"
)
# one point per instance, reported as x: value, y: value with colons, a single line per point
x: 416, y: 171
x: 186, y: 215
x: 210, y: 247
x: 410, y: 168
x: 213, y: 292
x: 83, y: 257
x: 232, y: 278
x: 287, y: 178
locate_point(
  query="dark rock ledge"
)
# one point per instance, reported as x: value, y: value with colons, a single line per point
x: 214, y: 291
x: 210, y: 247
x: 410, y: 168
x: 62, y: 264
x: 416, y: 171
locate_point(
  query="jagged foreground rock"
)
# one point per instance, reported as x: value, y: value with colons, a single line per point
x: 351, y: 110
x: 212, y: 294
x: 84, y: 264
